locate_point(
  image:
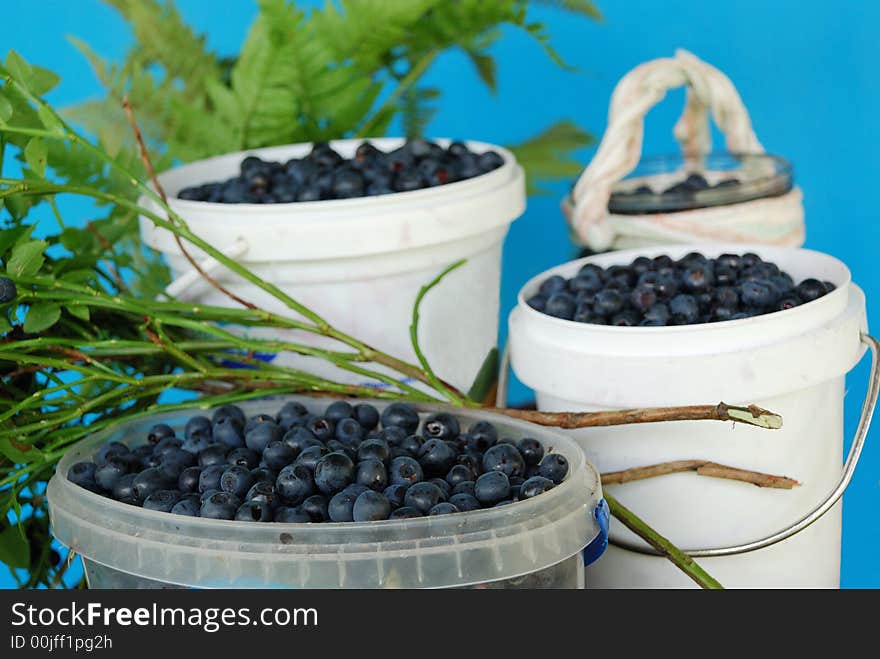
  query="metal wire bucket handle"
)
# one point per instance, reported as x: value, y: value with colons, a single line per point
x: 816, y: 513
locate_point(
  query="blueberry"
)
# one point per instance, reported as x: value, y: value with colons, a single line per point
x: 483, y: 436
x: 560, y: 305
x: 395, y: 494
x: 299, y: 439
x: 459, y: 473
x: 196, y: 444
x: 405, y: 512
x: 243, y: 457
x: 277, y: 455
x: 8, y: 291
x: 534, y: 486
x: 288, y: 515
x: 83, y: 474
x: 555, y: 467
x: 423, y: 496
x: 466, y: 487
x: 236, y: 480
x: 505, y: 458
x: 175, y: 461
x: 324, y: 156
x: 686, y: 306
x: 608, y: 302
x: 445, y: 487
x: 322, y: 428
x: 333, y: 472
x: 810, y: 289
x: 696, y: 182
x: 406, y: 471
x: 162, y: 500
x: 108, y: 474
x: 758, y: 293
x: 339, y: 410
x: 347, y: 184
x: 189, y: 505
x: 209, y: 479
x: 788, y: 302
x: 412, y: 444
x: 366, y: 151
x: 188, y: 480
x: 264, y: 492
x: 112, y: 450
x: 374, y: 448
x: 490, y: 160
x: 229, y: 412
x: 394, y: 435
x: 697, y: 278
x: 228, y: 431
x: 371, y: 472
x: 552, y: 285
x: 260, y: 474
x: 341, y: 506
x: 290, y: 413
x: 366, y: 415
x: 464, y: 502
x: 492, y: 487
x: 261, y: 434
x: 309, y: 457
x: 626, y: 318
x: 401, y: 415
x: 442, y: 426
x: 315, y: 507
x: 588, y: 282
x: 213, y: 455
x: 221, y: 505
x: 531, y: 450
x: 253, y: 511
x: 436, y: 457
x: 295, y: 484
x: 443, y: 508
x: 256, y: 420
x: 123, y: 489
x: 537, y: 302
x: 371, y: 507
x: 349, y: 431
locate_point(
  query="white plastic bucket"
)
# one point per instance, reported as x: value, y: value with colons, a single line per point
x: 539, y: 543
x: 791, y: 362
x: 359, y: 262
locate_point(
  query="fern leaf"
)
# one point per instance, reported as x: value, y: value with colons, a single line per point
x: 582, y: 7
x: 550, y: 155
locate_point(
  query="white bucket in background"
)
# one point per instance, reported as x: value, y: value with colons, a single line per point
x: 792, y: 362
x: 360, y: 262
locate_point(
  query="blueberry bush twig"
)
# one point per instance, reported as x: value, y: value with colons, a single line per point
x: 701, y: 468
x: 681, y: 560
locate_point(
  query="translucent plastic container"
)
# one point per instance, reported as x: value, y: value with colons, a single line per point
x: 537, y: 543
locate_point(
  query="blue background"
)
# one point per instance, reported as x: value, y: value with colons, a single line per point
x: 805, y: 70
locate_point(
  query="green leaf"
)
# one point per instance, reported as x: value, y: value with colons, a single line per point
x: 485, y: 66
x: 35, y: 154
x: 80, y: 311
x: 14, y: 548
x: 27, y: 259
x: 41, y: 316
x: 5, y: 109
x: 487, y: 378
x: 582, y: 7
x: 5, y: 325
x: 50, y: 121
x: 35, y: 79
x: 550, y: 155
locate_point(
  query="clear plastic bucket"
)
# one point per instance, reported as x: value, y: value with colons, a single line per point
x: 537, y: 543
x: 792, y: 362
x: 360, y: 262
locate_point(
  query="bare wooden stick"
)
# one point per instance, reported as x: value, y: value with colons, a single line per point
x: 751, y: 415
x: 148, y: 164
x: 703, y: 468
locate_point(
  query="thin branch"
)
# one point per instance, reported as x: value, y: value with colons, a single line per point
x: 681, y: 560
x: 145, y: 158
x: 702, y: 468
x: 751, y: 415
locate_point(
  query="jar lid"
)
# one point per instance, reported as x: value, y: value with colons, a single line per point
x: 662, y: 184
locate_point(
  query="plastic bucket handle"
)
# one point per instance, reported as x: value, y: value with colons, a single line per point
x: 849, y: 467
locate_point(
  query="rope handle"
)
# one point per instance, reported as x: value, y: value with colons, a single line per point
x: 708, y: 89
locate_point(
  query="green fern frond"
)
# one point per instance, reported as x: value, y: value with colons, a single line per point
x: 582, y: 7
x: 550, y: 155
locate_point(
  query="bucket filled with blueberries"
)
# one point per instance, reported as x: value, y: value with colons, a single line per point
x: 353, y: 229
x: 699, y: 324
x: 309, y: 493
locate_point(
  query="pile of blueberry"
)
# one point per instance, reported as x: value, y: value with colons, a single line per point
x: 324, y: 174
x: 660, y: 291
x: 691, y: 184
x: 336, y: 467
